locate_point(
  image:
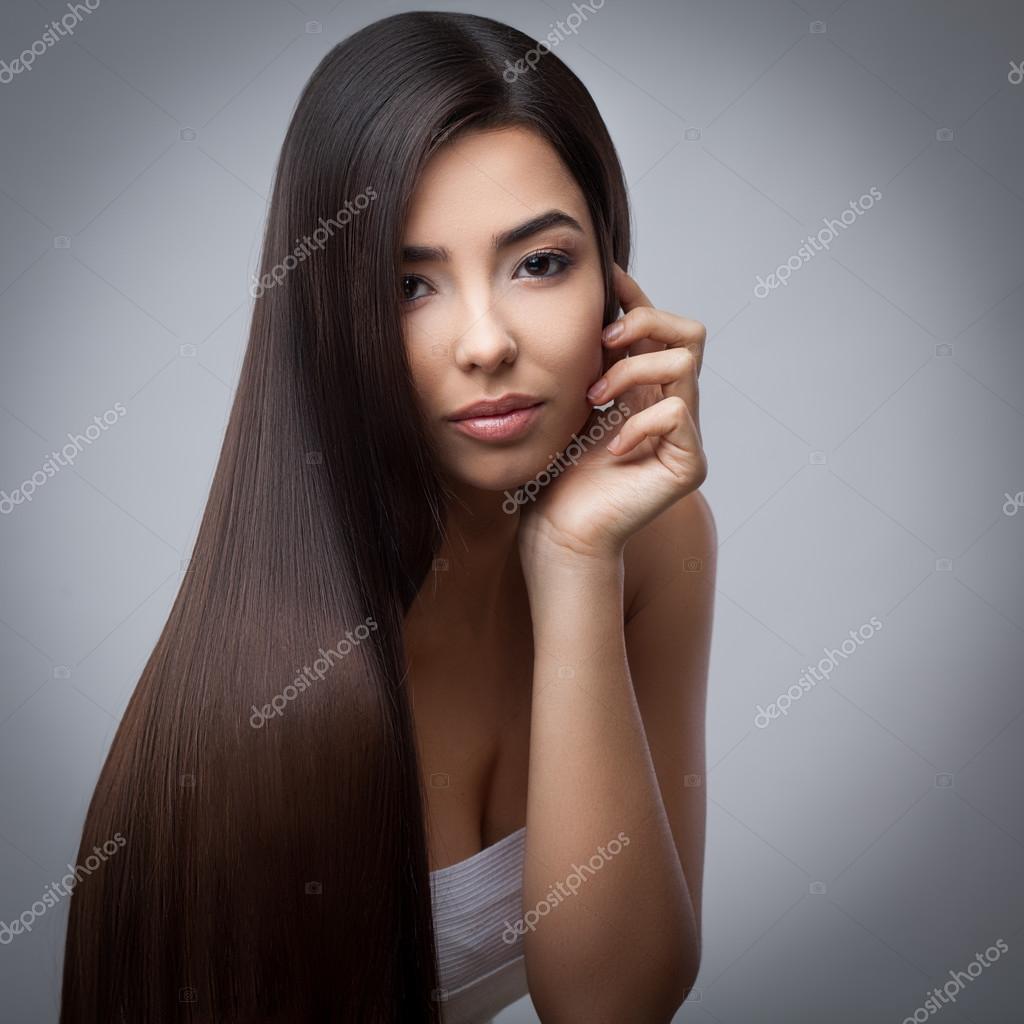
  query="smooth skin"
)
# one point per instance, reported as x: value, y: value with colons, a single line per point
x: 559, y: 655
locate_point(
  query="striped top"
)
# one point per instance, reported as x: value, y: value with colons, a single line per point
x: 477, y: 905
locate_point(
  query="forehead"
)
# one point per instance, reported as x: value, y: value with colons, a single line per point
x: 487, y: 180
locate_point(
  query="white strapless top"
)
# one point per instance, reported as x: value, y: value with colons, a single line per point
x: 477, y: 908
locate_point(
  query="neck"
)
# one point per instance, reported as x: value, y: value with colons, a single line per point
x: 477, y: 564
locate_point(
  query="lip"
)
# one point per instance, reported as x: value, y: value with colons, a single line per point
x: 502, y: 426
x: 495, y: 406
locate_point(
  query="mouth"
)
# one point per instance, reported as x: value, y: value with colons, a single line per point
x: 495, y: 406
x: 503, y: 419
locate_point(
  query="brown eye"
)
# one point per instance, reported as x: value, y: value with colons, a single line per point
x: 540, y: 264
x: 409, y: 285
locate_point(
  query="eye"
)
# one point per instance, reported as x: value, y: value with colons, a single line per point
x: 408, y: 286
x: 542, y: 261
x: 540, y: 266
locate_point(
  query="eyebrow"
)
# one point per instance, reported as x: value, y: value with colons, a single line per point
x: 550, y: 219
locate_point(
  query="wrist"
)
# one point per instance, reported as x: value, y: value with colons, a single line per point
x: 541, y: 542
x: 549, y: 564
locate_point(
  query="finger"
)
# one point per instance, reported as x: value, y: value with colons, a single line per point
x: 611, y: 355
x: 657, y: 328
x: 631, y: 296
x: 667, y: 421
x: 675, y: 369
x: 629, y: 292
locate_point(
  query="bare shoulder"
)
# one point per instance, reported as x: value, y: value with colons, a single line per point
x: 681, y: 540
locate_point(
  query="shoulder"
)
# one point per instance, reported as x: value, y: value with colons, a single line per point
x: 676, y: 550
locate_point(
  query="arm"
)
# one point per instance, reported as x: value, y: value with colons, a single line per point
x: 617, y: 710
x: 611, y: 744
x: 669, y: 642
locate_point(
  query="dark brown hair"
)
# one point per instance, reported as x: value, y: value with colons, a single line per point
x: 279, y: 871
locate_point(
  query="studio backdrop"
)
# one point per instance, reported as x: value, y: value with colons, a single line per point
x: 835, y: 188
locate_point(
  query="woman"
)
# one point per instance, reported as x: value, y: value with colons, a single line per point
x: 490, y: 659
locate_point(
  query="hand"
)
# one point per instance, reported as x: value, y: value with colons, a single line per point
x: 656, y: 456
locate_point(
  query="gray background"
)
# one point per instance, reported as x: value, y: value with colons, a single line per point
x: 863, y: 428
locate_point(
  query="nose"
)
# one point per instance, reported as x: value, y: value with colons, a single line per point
x: 485, y: 340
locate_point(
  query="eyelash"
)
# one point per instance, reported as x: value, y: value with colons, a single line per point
x: 561, y: 258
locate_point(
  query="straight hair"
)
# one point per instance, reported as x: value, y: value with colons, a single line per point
x: 265, y: 774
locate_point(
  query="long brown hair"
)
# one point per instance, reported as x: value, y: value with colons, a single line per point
x: 275, y: 864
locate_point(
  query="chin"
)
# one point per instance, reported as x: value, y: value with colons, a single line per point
x: 504, y: 475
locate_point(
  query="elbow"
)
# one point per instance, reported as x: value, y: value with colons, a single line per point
x: 666, y: 993
x: 671, y: 974
x: 649, y: 997
x: 657, y: 999
x: 682, y: 983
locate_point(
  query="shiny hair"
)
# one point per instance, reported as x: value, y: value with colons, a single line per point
x: 275, y: 864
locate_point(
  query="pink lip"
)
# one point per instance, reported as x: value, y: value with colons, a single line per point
x: 500, y: 427
x: 495, y: 406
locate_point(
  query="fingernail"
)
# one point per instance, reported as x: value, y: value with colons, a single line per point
x: 598, y: 389
x: 612, y: 331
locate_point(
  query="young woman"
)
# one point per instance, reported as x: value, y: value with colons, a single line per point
x: 425, y: 727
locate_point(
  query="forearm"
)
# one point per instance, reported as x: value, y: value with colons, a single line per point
x: 619, y: 940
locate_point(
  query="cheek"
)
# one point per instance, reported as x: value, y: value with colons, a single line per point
x: 564, y: 329
x: 427, y: 367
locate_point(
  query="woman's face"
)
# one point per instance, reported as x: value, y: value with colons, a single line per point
x: 486, y: 316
